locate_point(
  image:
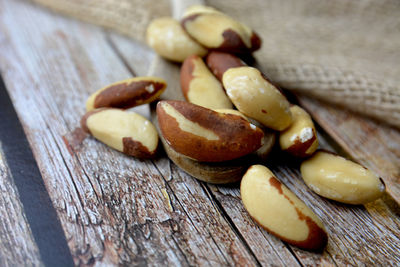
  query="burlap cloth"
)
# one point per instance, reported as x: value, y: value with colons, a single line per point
x: 345, y: 52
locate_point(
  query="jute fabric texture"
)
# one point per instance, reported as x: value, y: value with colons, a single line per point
x: 344, y: 52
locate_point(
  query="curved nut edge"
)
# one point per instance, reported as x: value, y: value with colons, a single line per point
x: 129, y: 146
x: 217, y: 137
x: 316, y: 238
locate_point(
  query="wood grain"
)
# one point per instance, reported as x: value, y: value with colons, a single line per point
x: 349, y: 227
x: 119, y: 210
x: 18, y: 247
x: 113, y: 209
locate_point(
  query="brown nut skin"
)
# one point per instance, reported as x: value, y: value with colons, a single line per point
x: 276, y: 209
x: 218, y: 172
x: 124, y: 131
x: 127, y: 93
x: 206, y: 135
x: 200, y: 87
x: 300, y: 138
x: 219, y: 62
x: 218, y: 31
x: 269, y: 135
x: 210, y: 172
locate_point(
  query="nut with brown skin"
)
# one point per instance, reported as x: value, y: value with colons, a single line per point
x: 214, y: 172
x: 200, y: 87
x: 124, y: 131
x: 206, y: 135
x: 219, y: 62
x: 275, y: 208
x: 218, y: 31
x: 257, y: 98
x: 337, y: 178
x: 269, y: 135
x: 300, y: 139
x: 127, y: 93
x: 169, y: 40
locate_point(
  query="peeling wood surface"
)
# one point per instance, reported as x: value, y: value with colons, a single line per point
x: 18, y: 247
x: 119, y: 210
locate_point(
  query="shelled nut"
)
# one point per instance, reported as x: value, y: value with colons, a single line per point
x: 169, y: 40
x: 124, y: 131
x: 219, y: 62
x: 127, y: 93
x: 268, y: 139
x: 206, y: 135
x: 275, y: 208
x: 200, y: 87
x: 300, y: 139
x: 257, y: 98
x: 337, y: 178
x: 216, y: 30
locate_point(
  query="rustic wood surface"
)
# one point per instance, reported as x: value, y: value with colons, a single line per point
x: 16, y: 241
x: 119, y: 210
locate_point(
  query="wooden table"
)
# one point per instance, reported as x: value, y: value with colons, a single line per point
x: 76, y: 201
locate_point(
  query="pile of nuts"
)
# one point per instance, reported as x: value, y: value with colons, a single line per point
x: 210, y: 140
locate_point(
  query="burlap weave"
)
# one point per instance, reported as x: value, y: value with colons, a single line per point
x: 345, y: 52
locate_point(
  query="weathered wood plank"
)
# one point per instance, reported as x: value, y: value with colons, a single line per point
x: 113, y: 209
x: 18, y: 247
x: 268, y: 250
x: 349, y: 227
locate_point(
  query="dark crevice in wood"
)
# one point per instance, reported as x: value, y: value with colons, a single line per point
x: 37, y: 205
x: 293, y: 253
x: 219, y: 249
x: 87, y: 176
x: 218, y: 205
x: 118, y: 54
x: 178, y: 247
x: 333, y: 260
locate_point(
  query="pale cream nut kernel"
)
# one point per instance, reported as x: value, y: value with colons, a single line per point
x: 334, y: 177
x: 124, y: 131
x: 167, y: 37
x: 300, y: 139
x: 257, y: 98
x: 200, y: 87
x: 274, y: 207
